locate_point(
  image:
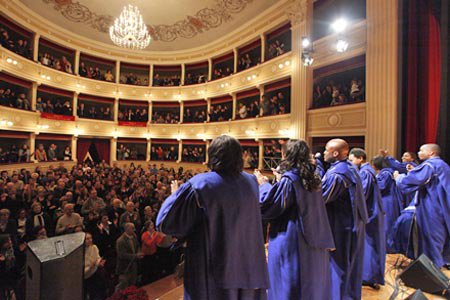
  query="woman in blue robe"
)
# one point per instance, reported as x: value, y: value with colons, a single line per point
x: 218, y: 215
x: 392, y: 198
x: 300, y: 235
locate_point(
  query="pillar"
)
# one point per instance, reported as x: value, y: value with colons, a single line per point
x: 73, y: 147
x: 116, y: 109
x: 113, y: 153
x: 33, y: 95
x: 208, y: 108
x: 382, y: 71
x: 75, y: 104
x: 150, y: 79
x: 260, y: 154
x: 261, y: 94
x: 117, y: 79
x: 234, y: 106
x: 210, y: 69
x: 236, y: 56
x: 150, y: 111
x: 181, y: 111
x: 206, y: 151
x: 32, y: 145
x: 149, y: 147
x: 263, y: 47
x: 76, y: 66
x: 36, y: 47
x: 183, y: 73
x: 180, y: 150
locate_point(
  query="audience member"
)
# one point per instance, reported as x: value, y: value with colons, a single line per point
x: 18, y: 45
x: 8, y: 98
x: 338, y: 92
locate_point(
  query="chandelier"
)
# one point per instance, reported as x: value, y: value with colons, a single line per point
x: 129, y: 30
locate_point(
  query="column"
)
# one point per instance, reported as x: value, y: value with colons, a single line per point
x: 33, y: 95
x: 150, y: 79
x: 208, y: 108
x: 381, y: 71
x: 36, y: 47
x: 206, y: 151
x: 181, y: 111
x: 113, y: 153
x: 117, y: 79
x: 261, y: 94
x: 180, y: 150
x: 76, y: 66
x: 263, y: 47
x: 33, y: 145
x: 301, y: 93
x: 116, y: 110
x: 210, y: 69
x: 183, y: 73
x: 150, y: 111
x: 75, y: 104
x: 260, y: 154
x: 234, y: 106
x: 73, y: 148
x: 149, y: 147
x: 235, y: 52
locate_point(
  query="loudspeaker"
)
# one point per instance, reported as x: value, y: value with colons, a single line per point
x: 423, y: 274
x: 55, y: 268
x: 418, y: 295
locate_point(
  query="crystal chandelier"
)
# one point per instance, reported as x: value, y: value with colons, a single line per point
x: 129, y: 30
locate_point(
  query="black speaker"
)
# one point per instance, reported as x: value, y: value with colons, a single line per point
x: 55, y: 268
x: 418, y: 295
x: 424, y: 275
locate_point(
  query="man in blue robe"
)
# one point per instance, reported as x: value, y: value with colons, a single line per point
x: 218, y: 215
x: 375, y: 241
x: 300, y: 235
x: 347, y: 214
x: 431, y: 181
x: 390, y: 193
x: 408, y: 161
x: 404, y: 237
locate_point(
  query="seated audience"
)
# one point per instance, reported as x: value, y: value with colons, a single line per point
x: 97, y: 111
x: 166, y: 80
x: 338, y: 93
x: 60, y: 64
x: 133, y: 114
x: 276, y: 48
x: 195, y: 78
x: 8, y: 98
x: 19, y: 45
x: 220, y: 112
x: 165, y: 117
x: 194, y: 154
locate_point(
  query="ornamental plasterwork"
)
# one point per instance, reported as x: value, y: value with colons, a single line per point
x: 203, y: 20
x: 296, y: 12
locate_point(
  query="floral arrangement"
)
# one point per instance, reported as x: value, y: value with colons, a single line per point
x: 130, y: 293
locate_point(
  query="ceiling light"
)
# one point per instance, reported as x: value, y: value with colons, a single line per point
x: 341, y: 46
x: 339, y: 25
x: 129, y: 30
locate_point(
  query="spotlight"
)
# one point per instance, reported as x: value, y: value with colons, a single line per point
x: 341, y: 46
x: 306, y: 42
x: 339, y: 25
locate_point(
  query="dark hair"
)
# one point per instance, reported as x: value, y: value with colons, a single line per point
x: 225, y: 156
x: 359, y: 153
x: 379, y: 162
x: 413, y: 155
x: 298, y: 156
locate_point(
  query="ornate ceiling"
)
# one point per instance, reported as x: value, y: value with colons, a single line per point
x: 173, y: 24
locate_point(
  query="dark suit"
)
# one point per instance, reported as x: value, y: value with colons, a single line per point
x: 127, y: 261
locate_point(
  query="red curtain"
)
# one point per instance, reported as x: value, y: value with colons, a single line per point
x: 103, y: 149
x: 82, y: 148
x: 423, y: 77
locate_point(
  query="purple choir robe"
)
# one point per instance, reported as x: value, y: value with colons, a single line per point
x: 220, y: 219
x: 375, y: 241
x: 403, y: 237
x: 431, y: 180
x: 347, y: 214
x: 299, y: 240
x: 399, y: 166
x: 392, y: 199
x: 320, y: 168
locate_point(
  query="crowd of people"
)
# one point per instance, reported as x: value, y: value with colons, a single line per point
x: 13, y: 97
x: 15, y: 154
x: 98, y: 111
x: 60, y: 64
x: 195, y: 78
x: 125, y: 152
x: 168, y: 80
x: 94, y: 72
x: 52, y: 153
x: 133, y: 79
x: 111, y: 205
x: 165, y: 117
x: 133, y: 114
x: 277, y: 104
x: 222, y: 72
x: 250, y: 157
x: 221, y: 112
x: 194, y: 115
x: 245, y: 61
x: 276, y: 48
x: 335, y: 92
x: 195, y: 154
x: 54, y: 106
x: 19, y: 46
x: 164, y: 152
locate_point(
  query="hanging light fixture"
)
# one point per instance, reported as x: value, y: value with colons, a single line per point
x: 129, y: 30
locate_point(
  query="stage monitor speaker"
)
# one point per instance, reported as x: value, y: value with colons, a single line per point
x: 417, y: 295
x: 424, y: 275
x: 55, y: 268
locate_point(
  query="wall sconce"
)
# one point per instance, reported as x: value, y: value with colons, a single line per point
x: 307, y: 51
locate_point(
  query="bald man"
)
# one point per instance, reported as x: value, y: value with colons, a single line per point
x: 347, y: 213
x: 430, y: 181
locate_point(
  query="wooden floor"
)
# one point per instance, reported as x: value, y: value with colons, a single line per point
x: 168, y: 289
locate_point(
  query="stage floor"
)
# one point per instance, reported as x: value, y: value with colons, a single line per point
x: 168, y: 289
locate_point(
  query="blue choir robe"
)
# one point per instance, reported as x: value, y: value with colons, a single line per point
x: 299, y: 240
x: 347, y: 214
x: 375, y: 241
x: 392, y: 199
x: 220, y: 219
x: 399, y: 166
x: 320, y: 169
x: 431, y: 181
x: 402, y: 239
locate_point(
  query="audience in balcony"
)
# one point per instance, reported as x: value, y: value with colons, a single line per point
x: 8, y: 98
x: 67, y: 153
x: 129, y: 153
x: 133, y: 115
x: 54, y: 106
x: 133, y: 79
x: 19, y: 46
x: 52, y: 153
x: 248, y: 111
x: 94, y: 111
x: 220, y: 73
x: 10, y: 154
x: 60, y: 64
x: 167, y: 80
x: 246, y: 61
x: 195, y: 154
x: 164, y: 152
x: 194, y: 116
x: 250, y: 157
x: 94, y: 72
x: 337, y: 93
x: 278, y: 104
x: 165, y: 117
x: 276, y: 48
x: 192, y: 78
x: 220, y: 112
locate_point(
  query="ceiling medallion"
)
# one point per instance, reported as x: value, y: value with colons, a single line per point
x: 129, y: 30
